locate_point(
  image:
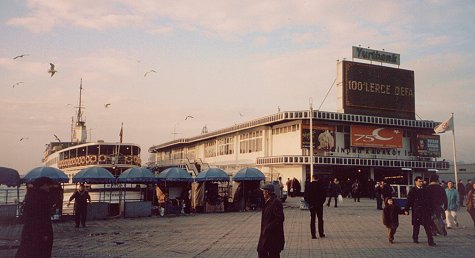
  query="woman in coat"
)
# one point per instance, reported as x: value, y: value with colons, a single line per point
x: 470, y: 202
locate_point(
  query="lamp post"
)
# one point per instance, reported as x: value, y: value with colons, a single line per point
x: 311, y: 137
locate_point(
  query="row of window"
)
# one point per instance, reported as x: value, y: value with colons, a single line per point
x: 286, y: 129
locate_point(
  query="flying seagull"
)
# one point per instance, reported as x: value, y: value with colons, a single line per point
x: 20, y: 56
x: 240, y: 114
x: 16, y: 84
x: 151, y: 71
x: 24, y: 138
x: 51, y: 69
x: 188, y: 117
x: 107, y: 105
x: 55, y: 136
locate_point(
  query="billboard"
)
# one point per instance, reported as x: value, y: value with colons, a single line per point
x: 377, y: 90
x: 378, y: 137
x: 323, y: 137
x: 428, y: 145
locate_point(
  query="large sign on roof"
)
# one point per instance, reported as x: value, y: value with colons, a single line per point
x: 376, y: 55
x: 377, y: 90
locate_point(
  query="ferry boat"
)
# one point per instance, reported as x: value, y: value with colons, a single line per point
x: 78, y: 154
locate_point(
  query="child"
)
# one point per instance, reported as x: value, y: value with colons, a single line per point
x: 391, y: 217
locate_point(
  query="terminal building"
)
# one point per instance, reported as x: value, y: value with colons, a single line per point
x: 373, y: 134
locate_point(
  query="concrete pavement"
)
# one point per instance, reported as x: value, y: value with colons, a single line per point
x: 352, y: 230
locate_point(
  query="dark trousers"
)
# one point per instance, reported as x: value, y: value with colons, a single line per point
x: 318, y: 211
x: 472, y: 214
x: 415, y: 232
x: 268, y: 255
x: 461, y: 197
x: 330, y: 198
x: 356, y: 197
x: 379, y: 202
x: 392, y: 232
x: 80, y: 215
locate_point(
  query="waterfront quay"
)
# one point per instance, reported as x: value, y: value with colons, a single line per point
x: 352, y: 230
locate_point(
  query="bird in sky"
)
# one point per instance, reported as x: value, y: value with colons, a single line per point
x: 151, y: 71
x: 16, y: 84
x: 57, y: 138
x: 107, y: 105
x: 51, y: 69
x: 188, y: 117
x: 23, y: 55
x: 68, y: 105
x: 24, y: 138
x: 240, y: 114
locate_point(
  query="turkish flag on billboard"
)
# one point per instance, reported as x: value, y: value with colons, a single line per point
x: 378, y: 137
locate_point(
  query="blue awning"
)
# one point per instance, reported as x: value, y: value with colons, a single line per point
x: 94, y: 175
x: 249, y: 174
x: 137, y: 175
x: 9, y: 177
x: 50, y: 172
x: 212, y: 174
x: 174, y: 174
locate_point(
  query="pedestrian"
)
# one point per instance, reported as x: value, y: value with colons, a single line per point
x: 387, y: 190
x: 418, y: 200
x: 334, y: 190
x: 391, y: 213
x: 355, y: 190
x: 438, y: 200
x: 378, y: 190
x: 470, y: 202
x: 453, y: 205
x: 271, y: 239
x: 468, y: 186
x: 80, y: 197
x: 289, y: 185
x: 461, y: 191
x: 315, y: 195
x: 37, y: 233
x: 371, y: 188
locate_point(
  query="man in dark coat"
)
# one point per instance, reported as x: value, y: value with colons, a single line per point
x: 271, y: 240
x: 419, y: 200
x: 37, y: 233
x: 439, y: 205
x: 461, y: 191
x: 80, y: 197
x: 315, y: 195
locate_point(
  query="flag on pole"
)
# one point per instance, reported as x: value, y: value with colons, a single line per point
x: 121, y: 134
x: 447, y: 125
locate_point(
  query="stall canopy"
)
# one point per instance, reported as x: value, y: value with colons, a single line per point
x: 137, y: 175
x: 212, y: 174
x: 249, y: 174
x: 94, y: 175
x: 174, y: 174
x: 50, y: 172
x: 9, y: 177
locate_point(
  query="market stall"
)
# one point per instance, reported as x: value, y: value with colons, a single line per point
x: 138, y: 207
x: 9, y: 194
x: 210, y: 191
x: 173, y: 187
x: 246, y: 189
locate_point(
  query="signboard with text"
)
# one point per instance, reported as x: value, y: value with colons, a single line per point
x: 377, y: 90
x: 378, y: 137
x: 376, y: 55
x: 428, y: 145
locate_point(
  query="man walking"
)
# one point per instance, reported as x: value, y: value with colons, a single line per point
x: 453, y: 201
x: 418, y: 200
x: 271, y: 240
x: 461, y: 191
x: 80, y: 197
x: 438, y: 200
x: 315, y: 195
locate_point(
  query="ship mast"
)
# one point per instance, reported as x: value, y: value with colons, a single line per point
x: 80, y: 133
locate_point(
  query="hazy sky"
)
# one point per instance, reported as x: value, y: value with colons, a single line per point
x: 215, y: 60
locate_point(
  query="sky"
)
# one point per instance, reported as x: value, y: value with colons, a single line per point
x: 222, y: 62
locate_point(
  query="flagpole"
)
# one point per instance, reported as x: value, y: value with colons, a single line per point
x: 311, y: 139
x: 455, y: 152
